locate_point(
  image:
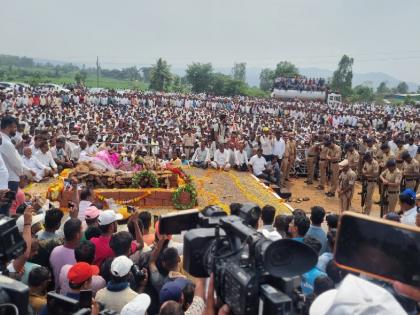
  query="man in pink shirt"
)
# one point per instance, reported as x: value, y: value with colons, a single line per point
x: 64, y: 254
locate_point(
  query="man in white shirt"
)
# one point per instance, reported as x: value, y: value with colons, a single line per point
x: 266, y: 141
x: 74, y: 148
x: 408, y: 207
x: 45, y: 157
x: 241, y: 159
x: 411, y: 147
x: 38, y: 170
x: 221, y: 159
x: 257, y: 165
x: 279, y: 146
x: 201, y: 156
x: 9, y: 153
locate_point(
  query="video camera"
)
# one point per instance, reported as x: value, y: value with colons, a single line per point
x: 252, y: 273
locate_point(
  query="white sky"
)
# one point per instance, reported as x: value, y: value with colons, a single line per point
x: 381, y: 35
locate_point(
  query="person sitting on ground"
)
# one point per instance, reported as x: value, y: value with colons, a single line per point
x: 64, y: 254
x: 298, y: 227
x: 241, y: 159
x: 257, y: 165
x: 45, y: 157
x: 52, y: 223
x: 117, y: 292
x: 38, y: 281
x: 36, y: 170
x: 85, y: 252
x: 59, y: 155
x: 328, y: 255
x: 315, y: 230
x: 201, y: 156
x: 308, y: 278
x: 91, y: 225
x: 221, y: 159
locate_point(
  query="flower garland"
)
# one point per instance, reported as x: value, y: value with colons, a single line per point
x: 188, y: 188
x: 126, y: 202
x: 138, y: 178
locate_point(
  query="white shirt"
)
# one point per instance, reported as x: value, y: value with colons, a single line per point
x: 11, y: 158
x: 258, y: 164
x: 201, y: 155
x: 266, y: 145
x: 46, y: 159
x: 4, y: 174
x: 221, y: 158
x: 411, y: 149
x: 279, y: 147
x: 241, y: 157
x: 409, y: 217
x: 33, y: 164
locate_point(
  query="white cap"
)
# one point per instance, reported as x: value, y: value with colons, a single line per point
x: 137, y: 306
x: 35, y: 219
x: 356, y: 296
x: 121, y: 266
x: 109, y: 216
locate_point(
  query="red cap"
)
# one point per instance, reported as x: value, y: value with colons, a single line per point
x: 81, y: 272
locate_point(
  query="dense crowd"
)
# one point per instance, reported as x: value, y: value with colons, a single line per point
x: 133, y: 268
x: 300, y: 83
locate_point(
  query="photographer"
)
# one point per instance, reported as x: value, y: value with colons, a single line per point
x: 39, y: 279
x: 118, y: 292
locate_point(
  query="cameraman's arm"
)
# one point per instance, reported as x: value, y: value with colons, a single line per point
x: 139, y: 235
x: 20, y: 261
x: 155, y: 253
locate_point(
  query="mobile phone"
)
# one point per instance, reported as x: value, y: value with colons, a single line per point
x: 67, y: 183
x: 380, y: 248
x: 85, y: 299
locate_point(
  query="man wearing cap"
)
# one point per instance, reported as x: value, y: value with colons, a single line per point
x: 399, y: 152
x: 91, y: 224
x: 352, y: 156
x: 370, y: 172
x: 311, y: 160
x: 333, y: 157
x: 108, y: 226
x: 391, y: 179
x: 323, y: 165
x: 408, y: 206
x: 346, y: 182
x: 410, y: 171
x: 80, y: 278
x: 118, y: 292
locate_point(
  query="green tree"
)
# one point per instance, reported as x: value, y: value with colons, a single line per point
x: 285, y: 69
x: 146, y: 73
x: 343, y: 76
x: 180, y: 85
x: 266, y: 79
x: 199, y: 75
x: 402, y: 88
x: 239, y: 71
x: 383, y: 89
x: 408, y: 100
x: 160, y: 76
x: 362, y: 93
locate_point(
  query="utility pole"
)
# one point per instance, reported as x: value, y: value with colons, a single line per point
x: 97, y: 71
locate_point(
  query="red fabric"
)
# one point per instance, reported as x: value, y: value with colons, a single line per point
x: 20, y: 199
x: 81, y: 272
x: 103, y: 250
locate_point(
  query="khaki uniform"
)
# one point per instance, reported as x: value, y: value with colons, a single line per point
x: 334, y: 153
x: 353, y: 158
x: 292, y: 157
x: 411, y: 173
x: 373, y: 150
x: 285, y: 162
x: 398, y: 157
x: 371, y: 172
x: 323, y: 164
x: 310, y: 162
x: 346, y: 182
x: 393, y: 192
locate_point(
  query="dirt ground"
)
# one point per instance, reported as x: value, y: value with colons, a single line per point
x: 223, y: 188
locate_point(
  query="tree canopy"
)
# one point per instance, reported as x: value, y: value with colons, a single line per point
x: 160, y: 76
x: 402, y: 88
x: 199, y: 75
x: 343, y: 76
x: 239, y: 71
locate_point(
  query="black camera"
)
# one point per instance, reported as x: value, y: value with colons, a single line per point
x: 131, y: 209
x: 250, y: 270
x: 138, y: 273
x: 12, y: 244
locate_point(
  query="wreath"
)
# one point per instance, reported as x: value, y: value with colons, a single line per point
x: 145, y: 179
x: 188, y: 188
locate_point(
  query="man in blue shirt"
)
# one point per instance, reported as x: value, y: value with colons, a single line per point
x: 298, y: 227
x: 308, y: 278
x: 316, y: 231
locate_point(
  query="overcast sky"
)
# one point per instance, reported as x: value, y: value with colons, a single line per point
x: 381, y: 35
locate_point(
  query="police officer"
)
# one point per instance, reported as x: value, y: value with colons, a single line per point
x: 370, y: 172
x: 399, y: 152
x: 352, y: 156
x: 311, y: 160
x: 410, y: 170
x: 346, y: 182
x: 323, y: 164
x: 333, y: 157
x: 391, y: 179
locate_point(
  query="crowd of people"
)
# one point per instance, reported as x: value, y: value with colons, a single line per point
x: 137, y: 269
x: 300, y: 83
